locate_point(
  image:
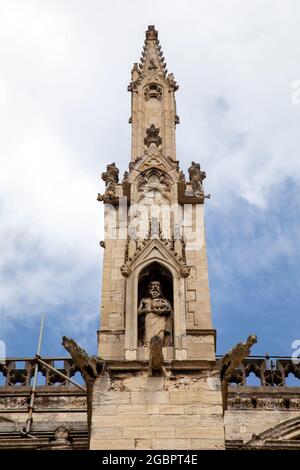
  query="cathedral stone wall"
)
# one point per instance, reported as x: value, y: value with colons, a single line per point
x: 157, y: 413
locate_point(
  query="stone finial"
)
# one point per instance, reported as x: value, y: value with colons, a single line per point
x: 111, y: 174
x: 152, y: 61
x: 181, y: 176
x: 152, y: 136
x: 125, y: 177
x: 111, y: 179
x: 151, y: 33
x: 196, y: 176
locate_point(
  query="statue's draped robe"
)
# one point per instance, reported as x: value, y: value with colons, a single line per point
x: 156, y: 324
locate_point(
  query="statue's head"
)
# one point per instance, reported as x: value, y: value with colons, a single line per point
x: 154, y: 289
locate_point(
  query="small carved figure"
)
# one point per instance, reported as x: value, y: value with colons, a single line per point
x: 125, y: 177
x: 156, y: 357
x: 197, y: 176
x: 156, y: 313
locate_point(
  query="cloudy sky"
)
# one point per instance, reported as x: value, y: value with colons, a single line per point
x: 64, y: 70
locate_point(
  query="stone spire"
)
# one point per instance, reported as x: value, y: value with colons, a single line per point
x: 152, y: 55
x: 153, y: 103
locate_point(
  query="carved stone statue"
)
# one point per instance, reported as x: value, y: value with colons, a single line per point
x: 235, y: 356
x: 155, y: 314
x: 197, y: 176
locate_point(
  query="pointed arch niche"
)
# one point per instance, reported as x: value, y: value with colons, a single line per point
x: 155, y: 262
x: 155, y: 272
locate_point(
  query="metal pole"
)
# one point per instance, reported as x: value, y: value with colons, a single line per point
x: 33, y: 390
x: 60, y: 373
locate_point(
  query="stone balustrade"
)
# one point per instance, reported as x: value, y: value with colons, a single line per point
x: 19, y: 372
x: 15, y: 372
x: 270, y: 372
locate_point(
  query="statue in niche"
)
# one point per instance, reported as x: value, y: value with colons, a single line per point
x: 155, y: 316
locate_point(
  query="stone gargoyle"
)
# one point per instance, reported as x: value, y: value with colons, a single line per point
x: 89, y: 367
x: 233, y: 358
x: 156, y: 357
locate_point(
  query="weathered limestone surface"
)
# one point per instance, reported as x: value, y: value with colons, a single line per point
x: 242, y: 424
x: 157, y: 413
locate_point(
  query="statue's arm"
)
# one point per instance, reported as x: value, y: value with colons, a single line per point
x: 142, y: 307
